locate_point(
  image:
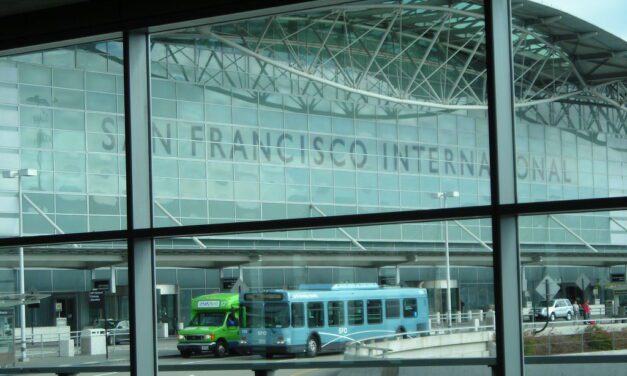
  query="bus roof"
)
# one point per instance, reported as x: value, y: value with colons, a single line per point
x: 338, y: 286
x: 221, y: 301
x: 347, y: 294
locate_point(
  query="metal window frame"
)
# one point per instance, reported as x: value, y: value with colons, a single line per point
x: 140, y: 232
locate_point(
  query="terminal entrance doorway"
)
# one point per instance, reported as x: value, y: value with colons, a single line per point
x: 167, y: 306
x: 65, y: 306
x: 436, y: 290
x: 572, y: 291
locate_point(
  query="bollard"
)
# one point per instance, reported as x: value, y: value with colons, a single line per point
x: 489, y: 317
x: 480, y: 315
x: 458, y: 317
x: 438, y: 318
x: 476, y: 325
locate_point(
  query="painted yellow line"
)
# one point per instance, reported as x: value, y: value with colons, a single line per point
x: 299, y: 373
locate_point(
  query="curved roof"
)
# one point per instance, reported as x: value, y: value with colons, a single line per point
x: 598, y: 55
x: 418, y: 53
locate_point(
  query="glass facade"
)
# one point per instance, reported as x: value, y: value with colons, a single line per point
x: 338, y: 146
x: 63, y: 116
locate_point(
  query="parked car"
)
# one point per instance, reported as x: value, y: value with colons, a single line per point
x: 556, y: 308
x: 117, y: 330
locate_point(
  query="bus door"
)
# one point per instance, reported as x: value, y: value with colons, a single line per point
x: 232, y: 325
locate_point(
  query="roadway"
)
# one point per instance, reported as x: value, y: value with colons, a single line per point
x: 119, y: 355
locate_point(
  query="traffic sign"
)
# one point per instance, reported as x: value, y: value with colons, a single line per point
x: 582, y: 281
x: 553, y: 287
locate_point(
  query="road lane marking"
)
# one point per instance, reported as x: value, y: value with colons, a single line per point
x: 300, y: 373
x: 105, y: 374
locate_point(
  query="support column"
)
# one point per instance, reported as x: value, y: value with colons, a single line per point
x: 398, y: 275
x: 503, y: 188
x: 141, y: 254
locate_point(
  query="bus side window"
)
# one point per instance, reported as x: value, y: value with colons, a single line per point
x: 335, y: 313
x: 410, y: 308
x: 375, y: 312
x: 315, y: 314
x: 355, y: 312
x: 392, y: 309
x: 298, y: 315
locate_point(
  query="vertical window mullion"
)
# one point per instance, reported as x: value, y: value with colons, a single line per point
x: 141, y: 252
x: 503, y: 188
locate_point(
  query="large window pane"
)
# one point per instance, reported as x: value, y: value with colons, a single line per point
x: 574, y: 291
x: 77, y: 309
x: 570, y: 112
x: 61, y: 145
x: 343, y: 287
x: 379, y: 120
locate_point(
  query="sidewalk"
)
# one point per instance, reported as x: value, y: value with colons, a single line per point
x: 49, y: 355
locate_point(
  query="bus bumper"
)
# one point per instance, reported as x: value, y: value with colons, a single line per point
x: 196, y: 348
x: 273, y: 349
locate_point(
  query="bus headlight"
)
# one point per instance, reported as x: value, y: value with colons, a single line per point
x: 243, y: 340
x: 181, y: 337
x: 280, y: 340
x: 210, y: 337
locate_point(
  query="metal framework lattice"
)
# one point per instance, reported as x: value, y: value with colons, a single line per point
x: 415, y: 54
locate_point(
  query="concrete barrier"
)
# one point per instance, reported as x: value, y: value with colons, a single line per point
x: 66, y: 347
x: 465, y: 344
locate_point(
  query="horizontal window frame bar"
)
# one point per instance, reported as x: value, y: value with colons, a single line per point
x: 575, y: 359
x: 314, y: 223
x: 564, y: 206
x: 267, y: 366
x: 51, y: 26
x: 260, y: 365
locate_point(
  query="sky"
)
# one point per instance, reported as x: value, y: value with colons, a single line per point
x: 610, y: 15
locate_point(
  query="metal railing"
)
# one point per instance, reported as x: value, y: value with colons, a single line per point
x: 577, y: 336
x: 49, y: 344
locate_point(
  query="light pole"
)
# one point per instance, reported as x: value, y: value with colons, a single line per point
x: 18, y: 174
x: 444, y: 196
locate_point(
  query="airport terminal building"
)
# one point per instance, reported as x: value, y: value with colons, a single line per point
x: 356, y: 109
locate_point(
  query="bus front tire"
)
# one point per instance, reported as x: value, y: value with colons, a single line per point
x: 186, y: 354
x: 312, y: 347
x: 401, y: 333
x: 221, y: 349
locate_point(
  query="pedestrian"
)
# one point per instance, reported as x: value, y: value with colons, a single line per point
x: 586, y: 311
x: 575, y: 309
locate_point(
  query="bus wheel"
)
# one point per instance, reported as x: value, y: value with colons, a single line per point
x: 185, y: 354
x: 312, y: 347
x: 268, y: 355
x: 221, y: 349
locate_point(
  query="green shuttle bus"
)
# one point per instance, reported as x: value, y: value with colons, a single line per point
x: 214, y: 326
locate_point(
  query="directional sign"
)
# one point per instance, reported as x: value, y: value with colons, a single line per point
x: 582, y: 281
x: 553, y: 287
x: 239, y: 286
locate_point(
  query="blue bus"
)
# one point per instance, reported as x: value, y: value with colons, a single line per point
x: 321, y: 318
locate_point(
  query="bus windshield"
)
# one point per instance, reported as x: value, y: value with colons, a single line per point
x: 268, y: 315
x: 208, y: 319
